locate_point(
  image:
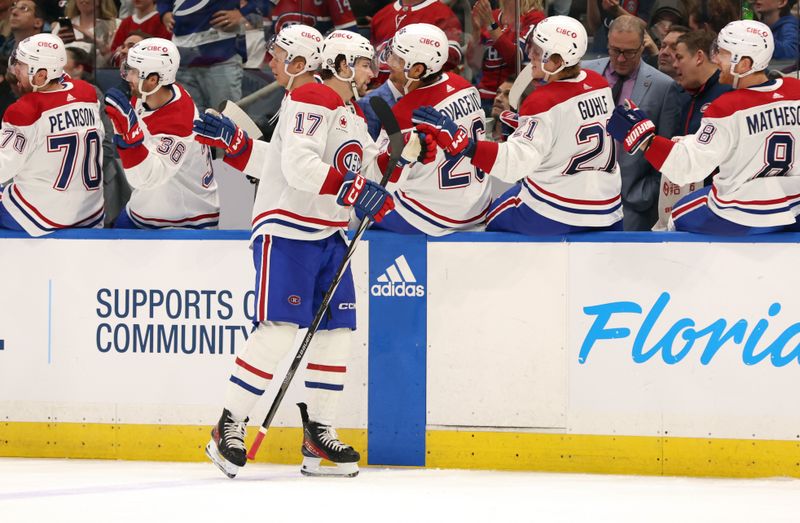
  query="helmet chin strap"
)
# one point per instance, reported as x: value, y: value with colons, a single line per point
x: 548, y: 74
x: 144, y: 93
x: 290, y: 75
x: 409, y: 81
x: 736, y: 76
x: 352, y: 81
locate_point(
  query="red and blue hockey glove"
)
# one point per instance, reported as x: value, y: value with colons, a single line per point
x: 127, y: 132
x: 453, y: 139
x: 369, y: 198
x: 419, y: 147
x: 217, y: 130
x: 509, y: 121
x: 628, y: 124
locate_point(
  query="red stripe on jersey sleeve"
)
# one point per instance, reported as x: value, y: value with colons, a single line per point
x: 485, y: 155
x: 132, y: 156
x: 240, y: 161
x: 333, y: 182
x: 658, y: 151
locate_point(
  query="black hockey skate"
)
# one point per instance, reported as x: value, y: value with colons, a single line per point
x: 321, y: 442
x: 226, y: 448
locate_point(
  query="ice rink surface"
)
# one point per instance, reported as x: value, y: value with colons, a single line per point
x: 39, y: 490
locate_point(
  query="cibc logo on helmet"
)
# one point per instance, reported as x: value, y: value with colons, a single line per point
x: 563, y: 31
x: 429, y: 41
x: 50, y: 45
x: 314, y: 37
x: 341, y: 35
x: 757, y: 31
x: 160, y: 48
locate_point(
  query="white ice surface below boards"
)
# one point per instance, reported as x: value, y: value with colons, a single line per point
x: 39, y: 490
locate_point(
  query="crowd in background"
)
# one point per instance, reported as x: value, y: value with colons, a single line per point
x: 655, y: 52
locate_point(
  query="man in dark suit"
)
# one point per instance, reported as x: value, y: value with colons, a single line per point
x: 653, y: 91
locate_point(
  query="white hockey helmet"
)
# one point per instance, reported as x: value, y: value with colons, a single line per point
x: 154, y: 56
x: 423, y: 44
x: 300, y: 40
x: 350, y: 45
x: 561, y: 35
x: 42, y: 51
x: 747, y: 38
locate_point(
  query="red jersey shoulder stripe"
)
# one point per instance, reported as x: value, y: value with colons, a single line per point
x: 786, y: 89
x: 175, y: 118
x: 317, y: 94
x: 548, y: 96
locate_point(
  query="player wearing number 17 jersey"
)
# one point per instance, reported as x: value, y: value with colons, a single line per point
x: 50, y: 145
x: 560, y: 152
x: 751, y: 133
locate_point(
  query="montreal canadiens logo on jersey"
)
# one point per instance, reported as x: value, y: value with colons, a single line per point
x: 348, y: 157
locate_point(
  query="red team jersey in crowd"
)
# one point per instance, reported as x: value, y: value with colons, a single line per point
x: 392, y: 17
x: 752, y: 135
x: 500, y: 56
x: 150, y: 24
x: 171, y: 173
x: 448, y: 194
x: 324, y: 15
x: 51, y: 146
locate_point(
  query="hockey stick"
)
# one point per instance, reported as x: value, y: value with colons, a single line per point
x: 389, y: 122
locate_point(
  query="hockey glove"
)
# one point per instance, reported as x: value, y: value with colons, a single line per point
x: 369, y: 198
x: 509, y: 121
x: 628, y: 124
x: 453, y: 139
x: 127, y: 132
x: 419, y: 147
x: 217, y: 130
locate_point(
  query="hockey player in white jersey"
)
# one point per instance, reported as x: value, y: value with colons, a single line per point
x: 50, y: 145
x: 442, y: 193
x: 751, y: 133
x: 560, y: 152
x: 170, y: 173
x: 312, y: 175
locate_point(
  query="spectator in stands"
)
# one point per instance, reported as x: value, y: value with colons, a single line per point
x: 116, y: 191
x: 785, y: 27
x: 323, y: 15
x: 7, y: 95
x: 495, y: 47
x: 121, y: 52
x: 666, y: 13
x: 666, y: 54
x: 401, y: 13
x: 499, y: 133
x: 145, y: 18
x: 211, y: 55
x: 27, y: 19
x: 657, y: 94
x: 600, y: 14
x: 93, y: 24
x: 5, y: 19
x: 713, y: 15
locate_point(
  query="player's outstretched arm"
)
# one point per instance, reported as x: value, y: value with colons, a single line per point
x: 688, y: 161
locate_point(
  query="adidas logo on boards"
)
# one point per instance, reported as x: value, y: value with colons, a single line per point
x: 398, y: 280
